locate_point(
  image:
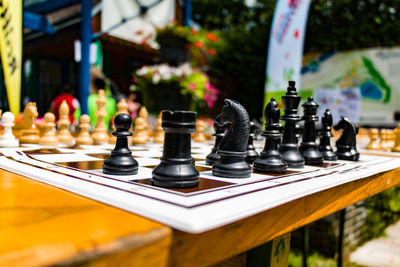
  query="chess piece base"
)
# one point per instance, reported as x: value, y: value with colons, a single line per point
x: 212, y: 157
x: 49, y: 141
x: 251, y: 156
x: 9, y: 143
x: 345, y: 153
x: 84, y: 140
x: 329, y: 155
x: 270, y: 163
x: 172, y: 175
x: 30, y: 136
x: 100, y: 137
x: 231, y: 165
x: 120, y: 165
x: 292, y: 156
x: 327, y: 152
x: 65, y: 139
x: 374, y: 146
x: 311, y: 155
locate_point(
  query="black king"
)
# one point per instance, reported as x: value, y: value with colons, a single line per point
x: 289, y: 147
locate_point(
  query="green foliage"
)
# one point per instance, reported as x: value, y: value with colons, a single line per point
x: 383, y: 210
x: 241, y: 51
x: 316, y: 260
x: 173, y: 29
x: 346, y: 24
x: 220, y: 15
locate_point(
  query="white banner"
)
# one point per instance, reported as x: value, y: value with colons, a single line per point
x: 142, y: 28
x: 286, y: 42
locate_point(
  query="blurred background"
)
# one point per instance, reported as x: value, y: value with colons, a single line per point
x: 351, y: 54
x: 192, y: 54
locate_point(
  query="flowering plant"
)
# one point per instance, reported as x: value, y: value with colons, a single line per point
x: 192, y: 81
x: 201, y: 44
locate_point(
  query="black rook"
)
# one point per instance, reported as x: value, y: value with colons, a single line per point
x: 177, y: 165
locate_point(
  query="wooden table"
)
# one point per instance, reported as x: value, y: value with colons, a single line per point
x: 43, y: 225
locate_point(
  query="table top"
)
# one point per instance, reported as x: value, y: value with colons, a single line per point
x: 42, y: 225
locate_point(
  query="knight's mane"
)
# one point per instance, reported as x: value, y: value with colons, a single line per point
x: 237, y: 135
x: 348, y: 129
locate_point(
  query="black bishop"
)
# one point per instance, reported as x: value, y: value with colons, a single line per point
x: 270, y: 159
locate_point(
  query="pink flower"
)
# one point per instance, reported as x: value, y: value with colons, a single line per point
x: 211, y: 95
x: 192, y: 86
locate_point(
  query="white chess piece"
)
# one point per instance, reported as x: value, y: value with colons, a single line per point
x: 8, y: 139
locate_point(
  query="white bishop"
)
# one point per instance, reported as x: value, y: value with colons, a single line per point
x: 8, y: 139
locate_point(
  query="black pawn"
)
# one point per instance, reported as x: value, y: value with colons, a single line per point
x: 270, y: 159
x: 252, y: 154
x: 177, y: 169
x: 346, y: 144
x: 219, y: 134
x: 121, y: 161
x: 308, y: 146
x: 325, y: 137
x: 289, y: 147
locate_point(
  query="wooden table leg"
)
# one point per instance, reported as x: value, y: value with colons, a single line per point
x: 272, y: 254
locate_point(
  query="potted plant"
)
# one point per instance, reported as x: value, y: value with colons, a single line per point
x: 174, y: 87
x: 173, y: 43
x: 179, y: 43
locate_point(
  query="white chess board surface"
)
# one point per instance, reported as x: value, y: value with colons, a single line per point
x: 214, y: 202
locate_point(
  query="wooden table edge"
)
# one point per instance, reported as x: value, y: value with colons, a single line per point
x: 219, y: 244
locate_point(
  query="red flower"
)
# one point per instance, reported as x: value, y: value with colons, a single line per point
x: 212, y: 52
x: 212, y: 37
x: 194, y: 32
x: 199, y: 44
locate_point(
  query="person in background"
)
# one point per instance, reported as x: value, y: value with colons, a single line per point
x: 73, y: 103
x: 133, y: 104
x: 97, y: 82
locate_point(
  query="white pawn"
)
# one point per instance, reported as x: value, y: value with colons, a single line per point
x: 8, y: 139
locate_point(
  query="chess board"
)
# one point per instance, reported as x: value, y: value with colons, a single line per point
x: 215, y: 202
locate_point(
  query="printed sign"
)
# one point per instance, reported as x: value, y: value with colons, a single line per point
x: 11, y: 49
